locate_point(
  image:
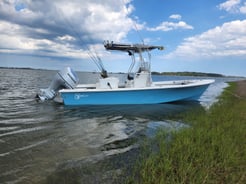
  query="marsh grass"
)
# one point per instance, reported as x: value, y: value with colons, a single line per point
x: 212, y: 150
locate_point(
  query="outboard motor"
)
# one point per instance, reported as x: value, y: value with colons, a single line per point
x: 64, y: 79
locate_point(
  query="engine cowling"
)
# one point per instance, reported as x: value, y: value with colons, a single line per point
x: 64, y: 79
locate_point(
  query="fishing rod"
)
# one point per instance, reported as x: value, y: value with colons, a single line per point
x: 93, y: 55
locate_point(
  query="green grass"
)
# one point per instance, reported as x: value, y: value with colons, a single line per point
x: 212, y: 150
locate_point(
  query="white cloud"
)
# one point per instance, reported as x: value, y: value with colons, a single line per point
x: 229, y: 5
x: 169, y: 26
x: 175, y: 16
x: 15, y: 43
x: 233, y: 6
x: 243, y: 8
x: 222, y: 41
x: 61, y: 27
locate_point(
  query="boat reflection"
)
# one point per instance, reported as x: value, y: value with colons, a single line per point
x: 153, y: 111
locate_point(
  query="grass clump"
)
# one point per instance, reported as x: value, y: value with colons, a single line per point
x: 212, y: 150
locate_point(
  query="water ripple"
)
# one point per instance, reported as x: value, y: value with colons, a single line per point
x: 23, y: 131
x: 24, y: 148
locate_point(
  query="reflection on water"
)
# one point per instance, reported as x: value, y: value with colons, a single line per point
x: 48, y: 142
x: 168, y: 125
x: 210, y: 95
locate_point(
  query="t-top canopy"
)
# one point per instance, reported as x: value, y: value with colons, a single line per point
x: 136, y: 48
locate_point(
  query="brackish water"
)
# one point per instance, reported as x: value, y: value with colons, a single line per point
x: 50, y: 143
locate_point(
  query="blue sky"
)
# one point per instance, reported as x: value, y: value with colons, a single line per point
x: 198, y: 35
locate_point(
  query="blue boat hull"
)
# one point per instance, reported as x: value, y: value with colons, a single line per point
x: 132, y: 96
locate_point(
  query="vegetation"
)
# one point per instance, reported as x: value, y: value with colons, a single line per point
x: 212, y: 150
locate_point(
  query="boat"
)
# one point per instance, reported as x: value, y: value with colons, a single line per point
x: 138, y: 88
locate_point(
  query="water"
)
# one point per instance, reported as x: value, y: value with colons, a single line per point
x: 50, y: 143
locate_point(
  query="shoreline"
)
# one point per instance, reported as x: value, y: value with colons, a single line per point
x: 183, y: 74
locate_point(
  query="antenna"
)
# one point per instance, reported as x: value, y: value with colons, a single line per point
x: 135, y: 26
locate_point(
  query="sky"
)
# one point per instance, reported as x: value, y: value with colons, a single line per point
x: 198, y: 35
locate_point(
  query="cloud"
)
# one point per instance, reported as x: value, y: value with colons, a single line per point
x: 243, y: 8
x: 233, y: 6
x: 61, y: 27
x: 169, y: 26
x: 221, y: 41
x: 175, y: 16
